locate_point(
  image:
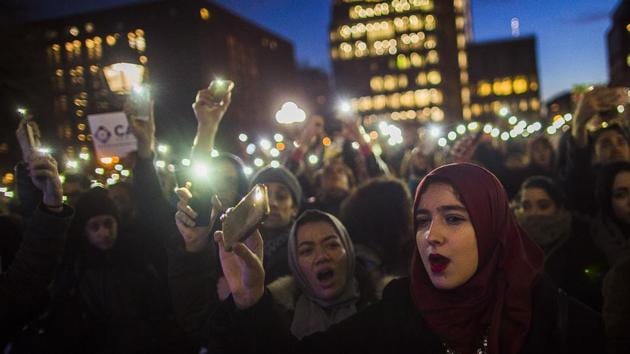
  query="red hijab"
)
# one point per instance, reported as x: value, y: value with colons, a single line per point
x: 498, y: 298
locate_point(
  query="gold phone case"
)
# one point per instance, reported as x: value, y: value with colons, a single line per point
x: 239, y: 222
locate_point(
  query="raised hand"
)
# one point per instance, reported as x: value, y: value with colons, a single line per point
x: 243, y: 269
x: 207, y: 111
x: 45, y: 176
x: 195, y: 237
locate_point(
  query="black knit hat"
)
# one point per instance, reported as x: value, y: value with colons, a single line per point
x: 93, y: 203
x: 280, y: 175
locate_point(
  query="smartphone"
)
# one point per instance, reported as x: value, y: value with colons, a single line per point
x: 220, y: 88
x: 141, y: 99
x: 202, y: 202
x: 239, y: 222
x: 33, y: 141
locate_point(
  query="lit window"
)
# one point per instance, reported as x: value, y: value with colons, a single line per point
x: 81, y: 137
x: 430, y: 43
x: 365, y: 103
x: 421, y: 79
x: 416, y: 60
x: 461, y: 41
x: 533, y: 85
x: 141, y: 44
x: 476, y: 110
x: 394, y: 101
x: 463, y: 77
x: 422, y: 98
x: 465, y: 95
x: 74, y: 31
x: 522, y: 105
x: 460, y: 23
x: 436, y: 96
x: 89, y: 27
x: 459, y: 5
x: 628, y: 27
x: 414, y: 23
x: 111, y: 40
x: 143, y: 59
x: 467, y: 113
x: 389, y: 83
x: 437, y: 115
x: 402, y: 62
x: 520, y: 85
x: 403, y: 82
x: 462, y: 59
x: 483, y: 89
x: 376, y: 84
x: 434, y: 77
x: 59, y: 72
x: 81, y: 126
x: 534, y: 103
x: 407, y: 99
x: 204, y: 14
x: 379, y: 102
x: 429, y: 23
x: 432, y: 57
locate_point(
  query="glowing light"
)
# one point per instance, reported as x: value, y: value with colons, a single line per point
x: 265, y: 144
x: 118, y: 167
x: 505, y: 136
x: 435, y: 131
x: 274, y: 152
x: 125, y: 173
x: 275, y: 164
x: 44, y: 150
x: 568, y: 117
x: 122, y: 77
x: 290, y: 113
x: 214, y: 153
x: 9, y: 194
x: 551, y: 130
x: 248, y: 170
x: 162, y: 148
x: 512, y: 120
x: 461, y: 129
x: 72, y: 164
x: 243, y: 137
x: 3, y: 189
x: 495, y: 132
x: 99, y: 171
x: 472, y: 126
x: 452, y: 136
x: 442, y: 142
x: 22, y: 111
x: 106, y: 160
x: 251, y: 148
x: 504, y: 111
x: 115, y: 176
x: 84, y: 156
x: 201, y: 170
x: 326, y: 141
x: 355, y: 145
x: 258, y: 162
x: 278, y: 137
x: 160, y: 164
x: 487, y: 128
x: 620, y: 108
x: 111, y: 181
x: 281, y: 146
x: 186, y: 162
x: 313, y: 159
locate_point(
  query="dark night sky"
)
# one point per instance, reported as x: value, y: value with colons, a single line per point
x: 571, y: 33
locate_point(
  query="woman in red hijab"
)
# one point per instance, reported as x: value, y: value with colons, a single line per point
x: 476, y: 285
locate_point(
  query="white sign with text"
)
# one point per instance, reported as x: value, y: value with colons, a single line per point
x: 111, y: 134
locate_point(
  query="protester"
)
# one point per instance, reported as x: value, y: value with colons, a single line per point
x: 476, y: 285
x: 323, y: 289
x: 587, y: 153
x: 24, y: 285
x: 611, y: 230
x: 333, y: 184
x: 379, y: 220
x: 572, y: 260
x: 415, y: 165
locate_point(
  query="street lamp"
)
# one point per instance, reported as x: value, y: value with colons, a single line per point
x: 123, y: 77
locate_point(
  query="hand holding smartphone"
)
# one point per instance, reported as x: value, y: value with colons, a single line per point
x: 239, y: 222
x: 219, y: 89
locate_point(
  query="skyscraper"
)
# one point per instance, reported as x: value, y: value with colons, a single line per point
x: 403, y: 60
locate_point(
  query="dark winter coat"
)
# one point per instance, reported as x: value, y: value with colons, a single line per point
x: 559, y: 325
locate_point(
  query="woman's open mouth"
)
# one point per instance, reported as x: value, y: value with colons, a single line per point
x: 438, y: 262
x: 325, y: 277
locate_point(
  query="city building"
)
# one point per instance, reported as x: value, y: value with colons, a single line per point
x: 619, y: 46
x: 504, y: 79
x: 183, y: 46
x: 402, y: 60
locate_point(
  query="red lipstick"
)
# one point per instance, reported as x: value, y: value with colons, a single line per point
x: 438, y: 262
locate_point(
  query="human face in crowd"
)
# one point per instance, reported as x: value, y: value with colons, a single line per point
x: 225, y: 182
x: 419, y: 161
x: 102, y: 231
x: 445, y: 237
x: 621, y: 196
x: 541, y: 154
x: 536, y: 201
x: 335, y: 178
x: 283, y: 209
x: 322, y: 259
x: 611, y: 146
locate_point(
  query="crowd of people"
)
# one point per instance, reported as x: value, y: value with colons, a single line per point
x: 466, y: 252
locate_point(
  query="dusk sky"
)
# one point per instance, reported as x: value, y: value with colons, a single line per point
x: 571, y: 33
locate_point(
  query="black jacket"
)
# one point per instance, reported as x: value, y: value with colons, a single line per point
x: 559, y: 325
